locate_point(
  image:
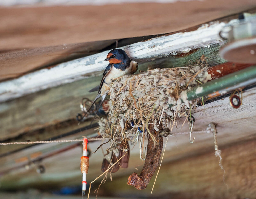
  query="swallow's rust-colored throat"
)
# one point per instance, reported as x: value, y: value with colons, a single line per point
x: 115, y: 61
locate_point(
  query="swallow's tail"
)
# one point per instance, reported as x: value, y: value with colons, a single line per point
x: 102, y: 99
x: 94, y: 89
x: 97, y: 97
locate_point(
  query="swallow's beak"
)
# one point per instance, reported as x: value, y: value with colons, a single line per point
x: 107, y: 59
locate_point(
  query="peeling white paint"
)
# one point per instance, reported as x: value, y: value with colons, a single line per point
x: 208, y: 76
x: 199, y: 90
x: 218, y: 71
x: 181, y: 42
x: 74, y: 70
x: 45, y: 78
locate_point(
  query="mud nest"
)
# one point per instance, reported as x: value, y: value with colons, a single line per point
x: 147, y: 105
x: 155, y: 97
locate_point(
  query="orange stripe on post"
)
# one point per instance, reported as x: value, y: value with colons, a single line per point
x: 85, y: 141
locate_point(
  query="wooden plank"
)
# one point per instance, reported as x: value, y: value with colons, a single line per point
x: 16, y: 63
x: 156, y: 48
x: 44, y: 108
x: 189, y: 170
x: 30, y: 27
x: 146, y: 51
x: 35, y: 153
x: 200, y: 176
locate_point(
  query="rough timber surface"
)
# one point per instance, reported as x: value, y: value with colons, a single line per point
x: 44, y: 108
x: 34, y: 37
x: 188, y: 170
x: 193, y: 170
x: 200, y: 176
x: 146, y: 51
x: 29, y: 27
x: 15, y: 63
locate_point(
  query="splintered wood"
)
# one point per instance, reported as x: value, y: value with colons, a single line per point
x: 147, y: 106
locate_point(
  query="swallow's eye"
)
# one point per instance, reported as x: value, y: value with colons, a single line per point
x: 112, y: 56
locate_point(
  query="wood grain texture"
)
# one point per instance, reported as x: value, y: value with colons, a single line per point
x: 30, y: 27
x: 44, y: 108
x: 189, y: 170
x: 19, y: 62
x: 36, y: 37
x: 200, y: 176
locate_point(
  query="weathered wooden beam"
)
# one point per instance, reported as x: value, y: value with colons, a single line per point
x: 200, y: 176
x: 34, y: 154
x: 233, y: 126
x: 16, y: 63
x: 44, y: 108
x: 77, y: 24
x: 82, y: 68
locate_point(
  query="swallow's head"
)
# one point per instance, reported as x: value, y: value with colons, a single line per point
x: 117, y: 56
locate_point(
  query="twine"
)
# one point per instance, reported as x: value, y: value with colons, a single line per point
x: 78, y: 140
x: 49, y: 142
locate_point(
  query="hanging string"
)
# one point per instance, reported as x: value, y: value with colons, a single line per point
x: 49, y: 142
x: 194, y: 132
x: 78, y: 140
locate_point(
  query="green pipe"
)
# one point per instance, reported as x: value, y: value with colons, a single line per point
x: 223, y: 83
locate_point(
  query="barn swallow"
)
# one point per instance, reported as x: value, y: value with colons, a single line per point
x: 119, y: 64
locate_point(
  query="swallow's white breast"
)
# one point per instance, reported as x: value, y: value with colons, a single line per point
x: 115, y: 73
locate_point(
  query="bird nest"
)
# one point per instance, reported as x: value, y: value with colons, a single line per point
x: 156, y: 97
x: 147, y: 105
